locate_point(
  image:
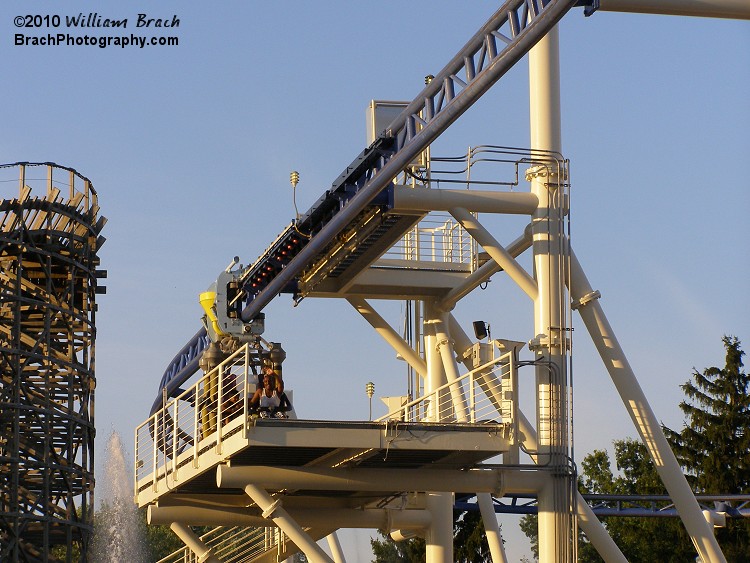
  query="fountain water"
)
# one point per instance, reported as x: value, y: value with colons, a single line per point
x: 119, y: 533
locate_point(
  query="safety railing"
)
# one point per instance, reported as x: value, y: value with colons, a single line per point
x: 484, y: 394
x: 200, y: 418
x: 437, y: 239
x: 232, y: 544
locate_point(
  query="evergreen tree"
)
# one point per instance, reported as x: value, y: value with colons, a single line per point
x: 469, y: 539
x: 714, y: 445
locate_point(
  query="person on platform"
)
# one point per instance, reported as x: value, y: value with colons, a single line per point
x: 267, y: 369
x: 269, y: 401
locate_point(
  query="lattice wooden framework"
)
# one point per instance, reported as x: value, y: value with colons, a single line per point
x: 49, y: 238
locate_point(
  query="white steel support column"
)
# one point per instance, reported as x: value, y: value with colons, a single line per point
x: 193, y: 542
x: 272, y: 509
x: 335, y: 546
x: 439, y: 538
x: 491, y: 529
x: 445, y: 347
x: 643, y: 417
x: 555, y: 522
x: 435, y: 372
x: 439, y: 534
x: 589, y: 523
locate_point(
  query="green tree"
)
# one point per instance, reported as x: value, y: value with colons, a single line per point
x: 469, y: 539
x: 388, y: 551
x: 714, y: 444
x: 639, y: 539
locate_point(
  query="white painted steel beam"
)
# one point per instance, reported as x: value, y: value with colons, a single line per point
x: 640, y: 412
x: 436, y: 377
x: 335, y: 546
x: 496, y: 480
x: 272, y: 509
x: 554, y: 510
x: 372, y: 518
x: 439, y: 537
x: 733, y: 9
x: 496, y: 251
x: 193, y: 542
x: 483, y: 273
x: 385, y: 330
x: 445, y: 348
x: 362, y: 479
x: 406, y: 199
x: 491, y: 529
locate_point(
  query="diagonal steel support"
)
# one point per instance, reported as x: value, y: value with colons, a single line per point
x: 202, y: 552
x: 272, y: 509
x: 645, y: 421
x: 496, y: 251
x: 385, y: 330
x: 483, y: 273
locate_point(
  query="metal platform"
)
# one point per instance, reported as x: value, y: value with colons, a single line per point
x: 384, y: 445
x: 179, y: 448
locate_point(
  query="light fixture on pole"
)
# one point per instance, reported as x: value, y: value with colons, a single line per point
x: 294, y: 180
x: 370, y: 390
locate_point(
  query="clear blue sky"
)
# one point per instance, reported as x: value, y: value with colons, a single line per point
x: 190, y: 149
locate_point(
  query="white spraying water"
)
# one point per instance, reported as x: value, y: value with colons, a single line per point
x: 119, y: 535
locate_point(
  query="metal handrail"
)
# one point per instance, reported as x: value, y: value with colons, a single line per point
x: 203, y: 413
x: 233, y: 543
x: 485, y: 397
